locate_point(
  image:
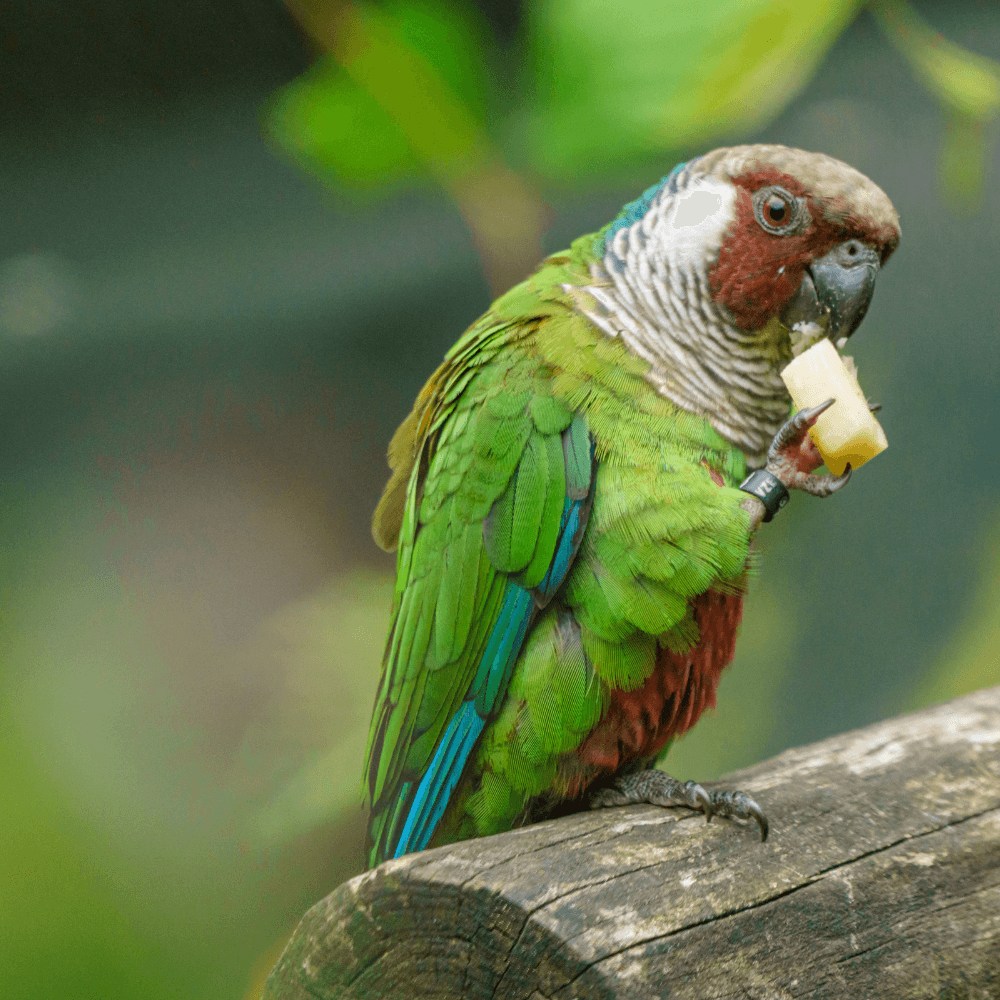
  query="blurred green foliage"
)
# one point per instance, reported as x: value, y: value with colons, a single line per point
x: 617, y: 82
x: 338, y: 127
x: 140, y: 832
x: 604, y: 87
x: 332, y: 644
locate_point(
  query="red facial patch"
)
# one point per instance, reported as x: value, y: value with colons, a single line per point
x: 748, y: 278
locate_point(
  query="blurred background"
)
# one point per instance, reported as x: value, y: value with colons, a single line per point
x: 234, y: 242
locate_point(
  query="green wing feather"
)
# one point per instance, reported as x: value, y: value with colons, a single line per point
x: 482, y: 459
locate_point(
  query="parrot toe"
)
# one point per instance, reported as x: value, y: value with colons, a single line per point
x: 823, y: 486
x: 658, y: 788
x: 742, y: 806
x: 792, y: 456
x: 793, y: 431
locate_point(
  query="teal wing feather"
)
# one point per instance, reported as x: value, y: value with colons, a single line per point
x: 500, y: 479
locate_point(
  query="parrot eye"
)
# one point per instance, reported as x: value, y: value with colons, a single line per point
x: 779, y: 212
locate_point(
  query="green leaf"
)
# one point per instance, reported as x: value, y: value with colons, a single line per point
x: 630, y: 79
x: 338, y: 131
x: 377, y: 120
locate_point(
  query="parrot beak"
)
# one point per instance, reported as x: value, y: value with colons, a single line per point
x: 836, y: 288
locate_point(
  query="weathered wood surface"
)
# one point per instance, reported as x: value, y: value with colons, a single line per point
x: 881, y: 879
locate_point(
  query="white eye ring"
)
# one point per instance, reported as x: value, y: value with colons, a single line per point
x: 763, y: 209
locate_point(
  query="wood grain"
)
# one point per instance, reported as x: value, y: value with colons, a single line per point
x: 881, y: 878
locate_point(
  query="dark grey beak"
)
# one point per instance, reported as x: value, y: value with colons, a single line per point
x: 838, y: 286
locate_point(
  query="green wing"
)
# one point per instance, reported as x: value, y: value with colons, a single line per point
x: 497, y: 479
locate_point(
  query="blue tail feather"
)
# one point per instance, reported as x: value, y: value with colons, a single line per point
x: 565, y: 549
x: 439, y: 780
x: 502, y: 647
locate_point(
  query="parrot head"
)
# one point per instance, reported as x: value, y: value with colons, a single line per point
x: 806, y: 238
x: 731, y: 263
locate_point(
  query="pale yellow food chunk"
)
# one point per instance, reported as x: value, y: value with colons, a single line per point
x: 847, y: 432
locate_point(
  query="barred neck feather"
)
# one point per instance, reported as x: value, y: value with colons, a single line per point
x: 651, y: 288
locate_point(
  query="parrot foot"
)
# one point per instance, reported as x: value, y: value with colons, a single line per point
x: 792, y: 456
x: 660, y: 789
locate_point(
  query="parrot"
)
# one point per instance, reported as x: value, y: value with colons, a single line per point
x: 574, y: 495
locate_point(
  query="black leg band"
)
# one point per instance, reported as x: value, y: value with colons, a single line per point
x: 770, y: 490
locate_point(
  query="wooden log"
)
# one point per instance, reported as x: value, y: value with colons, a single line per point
x: 881, y: 878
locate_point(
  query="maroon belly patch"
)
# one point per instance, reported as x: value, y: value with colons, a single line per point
x: 639, y: 723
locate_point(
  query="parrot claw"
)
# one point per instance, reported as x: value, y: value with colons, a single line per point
x: 823, y: 486
x: 793, y: 430
x: 792, y: 455
x: 742, y: 806
x: 660, y: 789
x: 700, y: 799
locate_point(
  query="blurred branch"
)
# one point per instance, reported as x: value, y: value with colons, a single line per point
x: 966, y: 84
x: 887, y: 884
x: 504, y: 212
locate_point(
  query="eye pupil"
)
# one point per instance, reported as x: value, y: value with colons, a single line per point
x: 778, y: 212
